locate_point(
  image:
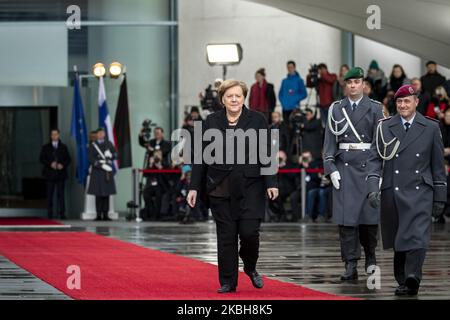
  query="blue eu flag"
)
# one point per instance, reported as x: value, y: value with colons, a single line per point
x: 79, y: 133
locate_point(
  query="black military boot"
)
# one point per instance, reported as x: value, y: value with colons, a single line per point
x: 371, y: 259
x: 99, y: 216
x: 351, y: 272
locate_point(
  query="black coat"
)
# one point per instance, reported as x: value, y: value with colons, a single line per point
x: 50, y: 154
x: 101, y: 183
x: 312, y: 138
x: 411, y: 181
x: 247, y: 185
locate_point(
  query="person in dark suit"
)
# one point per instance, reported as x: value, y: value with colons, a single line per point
x: 408, y: 154
x: 236, y: 189
x: 55, y: 158
x: 101, y: 156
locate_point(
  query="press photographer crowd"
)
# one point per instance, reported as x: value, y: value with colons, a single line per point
x: 300, y: 118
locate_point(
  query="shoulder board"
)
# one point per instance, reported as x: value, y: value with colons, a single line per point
x: 433, y: 119
x: 384, y: 119
x: 376, y: 101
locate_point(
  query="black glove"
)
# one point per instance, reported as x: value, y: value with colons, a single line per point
x: 438, y: 209
x: 374, y: 199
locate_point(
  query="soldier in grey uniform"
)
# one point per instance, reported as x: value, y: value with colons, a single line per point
x: 348, y: 137
x: 101, y: 184
x: 408, y: 154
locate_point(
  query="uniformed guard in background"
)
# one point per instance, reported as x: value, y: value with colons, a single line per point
x: 408, y: 154
x: 101, y: 156
x: 348, y: 136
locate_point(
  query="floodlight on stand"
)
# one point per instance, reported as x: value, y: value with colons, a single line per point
x: 224, y: 55
x: 99, y: 69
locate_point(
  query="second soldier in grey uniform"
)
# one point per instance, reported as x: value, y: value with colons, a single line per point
x: 348, y: 135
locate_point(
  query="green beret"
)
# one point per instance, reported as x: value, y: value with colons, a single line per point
x: 354, y: 73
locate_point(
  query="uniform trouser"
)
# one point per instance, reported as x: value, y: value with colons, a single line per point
x: 408, y: 263
x: 102, y: 205
x: 352, y: 238
x: 58, y: 186
x: 228, y: 231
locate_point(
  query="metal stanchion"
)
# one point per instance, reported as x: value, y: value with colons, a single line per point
x: 303, y: 190
x: 136, y: 193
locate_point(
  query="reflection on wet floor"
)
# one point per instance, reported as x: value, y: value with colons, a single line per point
x: 305, y: 254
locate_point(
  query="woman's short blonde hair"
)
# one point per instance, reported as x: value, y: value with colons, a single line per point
x: 227, y: 84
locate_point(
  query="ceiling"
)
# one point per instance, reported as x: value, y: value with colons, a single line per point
x: 420, y: 27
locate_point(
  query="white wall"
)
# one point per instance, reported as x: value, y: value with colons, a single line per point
x: 366, y: 50
x: 269, y: 38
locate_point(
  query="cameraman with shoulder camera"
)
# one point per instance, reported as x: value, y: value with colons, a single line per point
x: 323, y: 81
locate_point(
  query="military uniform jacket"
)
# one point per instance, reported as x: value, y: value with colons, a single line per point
x: 411, y: 180
x: 101, y: 182
x: 350, y: 204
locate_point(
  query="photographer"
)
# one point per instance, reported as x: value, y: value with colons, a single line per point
x: 210, y: 100
x: 323, y: 81
x: 283, y: 128
x: 157, y: 143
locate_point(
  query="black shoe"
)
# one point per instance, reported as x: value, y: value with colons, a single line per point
x: 371, y: 260
x: 106, y: 218
x: 401, y: 290
x: 99, y: 218
x: 412, y: 283
x: 62, y: 217
x: 351, y: 272
x: 226, y: 288
x: 256, y: 279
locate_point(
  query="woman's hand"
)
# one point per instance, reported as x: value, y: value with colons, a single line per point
x: 191, y: 198
x: 272, y: 193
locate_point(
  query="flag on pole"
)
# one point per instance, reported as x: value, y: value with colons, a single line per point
x: 104, y: 119
x: 122, y: 127
x: 79, y: 132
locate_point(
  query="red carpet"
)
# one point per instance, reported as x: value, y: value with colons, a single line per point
x: 114, y: 269
x: 28, y: 221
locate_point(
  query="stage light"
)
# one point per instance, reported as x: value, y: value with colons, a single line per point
x: 99, y: 69
x: 224, y: 54
x: 115, y: 69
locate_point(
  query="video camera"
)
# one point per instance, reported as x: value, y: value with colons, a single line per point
x: 296, y: 120
x: 146, y: 130
x: 314, y: 73
x: 210, y: 99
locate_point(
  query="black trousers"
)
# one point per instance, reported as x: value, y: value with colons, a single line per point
x: 352, y: 238
x: 102, y: 205
x: 229, y: 231
x: 407, y: 264
x: 55, y: 186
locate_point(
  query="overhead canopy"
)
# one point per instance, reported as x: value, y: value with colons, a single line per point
x: 420, y: 27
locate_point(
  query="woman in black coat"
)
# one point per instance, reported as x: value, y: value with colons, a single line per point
x: 236, y: 189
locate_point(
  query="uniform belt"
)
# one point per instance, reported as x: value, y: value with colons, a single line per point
x: 354, y: 146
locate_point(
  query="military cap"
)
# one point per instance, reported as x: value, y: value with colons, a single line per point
x: 354, y: 73
x: 403, y: 91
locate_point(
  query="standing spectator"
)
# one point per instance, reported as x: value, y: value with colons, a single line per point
x: 378, y: 79
x: 292, y: 91
x: 397, y: 79
x: 432, y: 79
x: 195, y: 114
x: 262, y: 95
x: 284, y: 138
x: 324, y: 86
x: 312, y: 134
x: 55, y: 158
x: 423, y: 96
x: 368, y: 89
x: 439, y: 103
x: 339, y: 87
x: 313, y: 190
